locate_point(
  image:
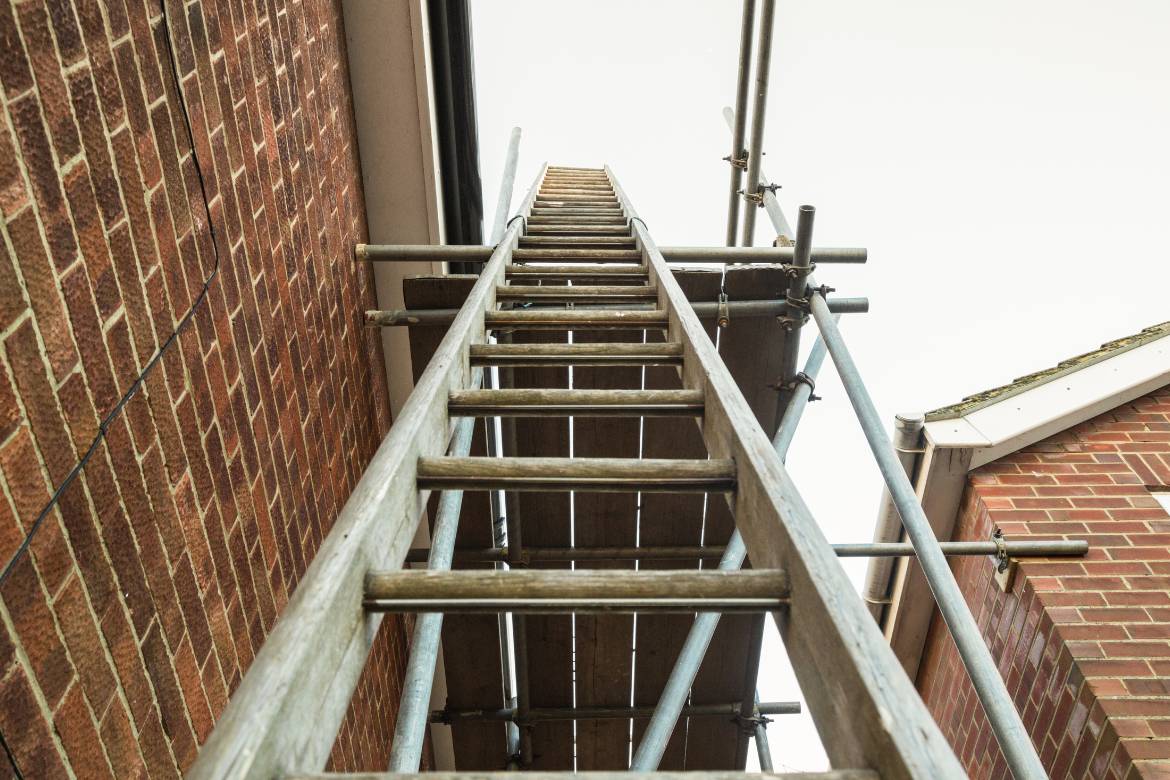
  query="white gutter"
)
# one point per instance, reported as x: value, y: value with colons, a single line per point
x: 953, y: 447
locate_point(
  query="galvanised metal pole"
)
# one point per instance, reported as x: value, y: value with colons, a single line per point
x: 494, y: 445
x: 682, y: 676
x: 989, y: 686
x: 759, y: 109
x: 763, y: 748
x: 738, y: 156
x: 771, y: 205
x: 1013, y: 549
x: 414, y: 709
x: 504, y: 200
x: 794, y: 315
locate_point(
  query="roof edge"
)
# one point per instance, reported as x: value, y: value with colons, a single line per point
x: 1029, y: 381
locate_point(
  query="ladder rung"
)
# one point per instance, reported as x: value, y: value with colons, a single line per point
x: 577, y: 241
x: 560, y: 208
x: 611, y: 354
x: 622, y: 229
x: 596, y: 475
x: 578, y: 221
x: 563, y: 272
x: 574, y: 200
x: 577, y: 188
x: 570, y: 319
x: 578, y: 294
x: 578, y: 403
x: 582, y: 590
x: 567, y: 254
x: 832, y: 774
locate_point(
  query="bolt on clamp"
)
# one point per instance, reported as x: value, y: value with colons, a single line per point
x: 1002, y: 561
x: 723, y: 313
x: 738, y: 162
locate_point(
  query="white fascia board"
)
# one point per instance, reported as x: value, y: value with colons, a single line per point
x: 1021, y: 420
x: 990, y: 433
x: 388, y: 45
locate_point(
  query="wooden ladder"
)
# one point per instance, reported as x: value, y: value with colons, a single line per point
x: 577, y: 227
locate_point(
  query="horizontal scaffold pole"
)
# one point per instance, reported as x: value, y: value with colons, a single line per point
x: 438, y: 253
x: 769, y: 308
x: 727, y: 710
x: 559, y: 591
x: 1021, y: 549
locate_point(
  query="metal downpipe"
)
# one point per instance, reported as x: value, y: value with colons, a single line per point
x: 907, y: 437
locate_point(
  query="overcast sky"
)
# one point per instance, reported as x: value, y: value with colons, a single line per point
x: 1005, y: 163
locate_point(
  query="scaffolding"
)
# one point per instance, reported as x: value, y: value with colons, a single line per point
x: 577, y: 315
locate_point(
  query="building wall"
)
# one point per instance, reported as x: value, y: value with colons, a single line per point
x: 1083, y: 643
x: 150, y: 586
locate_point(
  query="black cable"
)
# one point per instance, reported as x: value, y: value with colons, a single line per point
x: 22, y: 550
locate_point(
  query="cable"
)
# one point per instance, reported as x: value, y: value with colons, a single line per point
x: 22, y: 550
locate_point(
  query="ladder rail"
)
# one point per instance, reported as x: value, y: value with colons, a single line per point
x: 285, y: 715
x: 870, y: 714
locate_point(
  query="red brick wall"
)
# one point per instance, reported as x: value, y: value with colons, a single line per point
x: 1084, y: 644
x: 154, y: 581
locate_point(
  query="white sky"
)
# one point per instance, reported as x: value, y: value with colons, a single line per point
x: 1005, y: 163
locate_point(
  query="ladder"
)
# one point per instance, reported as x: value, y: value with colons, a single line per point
x: 577, y: 226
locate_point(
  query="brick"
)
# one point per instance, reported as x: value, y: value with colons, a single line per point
x: 85, y: 645
x: 92, y: 240
x: 120, y: 744
x: 89, y: 119
x: 36, y: 630
x: 32, y: 382
x: 78, y: 733
x: 107, y: 245
x: 40, y: 282
x: 33, y: 148
x: 28, y: 738
x: 34, y: 26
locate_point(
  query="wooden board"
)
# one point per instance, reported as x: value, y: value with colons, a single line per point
x: 605, y: 643
x: 474, y: 679
x: 751, y: 349
x: 546, y: 522
x: 669, y: 519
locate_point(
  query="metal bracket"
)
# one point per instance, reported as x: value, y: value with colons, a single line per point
x: 513, y: 219
x: 800, y: 378
x: 757, y: 197
x: 1002, y: 561
x: 1005, y: 566
x: 748, y: 723
x: 738, y: 162
x: 723, y: 313
x: 797, y: 271
x: 824, y: 290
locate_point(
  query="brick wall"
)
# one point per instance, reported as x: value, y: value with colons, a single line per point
x: 1084, y: 644
x: 152, y: 584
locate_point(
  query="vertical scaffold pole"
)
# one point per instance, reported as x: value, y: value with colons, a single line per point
x: 738, y: 156
x: 751, y: 192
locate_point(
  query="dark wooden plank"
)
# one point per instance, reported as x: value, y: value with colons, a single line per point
x: 669, y: 519
x: 545, y: 518
x: 473, y: 679
x: 750, y: 348
x: 604, y: 643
